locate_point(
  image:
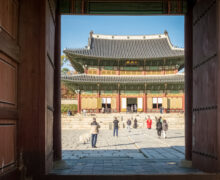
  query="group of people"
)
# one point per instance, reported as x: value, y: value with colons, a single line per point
x: 116, y: 126
x: 161, y: 127
x: 69, y: 113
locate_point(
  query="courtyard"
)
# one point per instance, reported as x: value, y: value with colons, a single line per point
x: 137, y: 152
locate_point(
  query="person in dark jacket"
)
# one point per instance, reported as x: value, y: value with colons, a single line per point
x: 165, y: 128
x: 129, y: 125
x: 115, y: 123
x: 159, y: 127
x: 135, y: 124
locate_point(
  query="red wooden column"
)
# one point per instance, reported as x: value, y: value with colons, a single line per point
x: 188, y: 82
x: 144, y: 102
x: 57, y: 145
x: 98, y: 97
x: 183, y: 102
x: 118, y: 101
x: 79, y: 101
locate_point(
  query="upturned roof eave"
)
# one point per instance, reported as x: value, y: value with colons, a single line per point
x: 119, y: 58
x: 147, y: 81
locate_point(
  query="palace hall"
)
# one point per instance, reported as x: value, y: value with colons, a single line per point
x: 127, y: 73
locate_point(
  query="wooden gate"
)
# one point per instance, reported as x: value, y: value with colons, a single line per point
x: 205, y: 81
x: 28, y: 62
x: 9, y: 62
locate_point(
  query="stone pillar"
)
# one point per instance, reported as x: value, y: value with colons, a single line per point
x: 188, y: 82
x: 57, y: 145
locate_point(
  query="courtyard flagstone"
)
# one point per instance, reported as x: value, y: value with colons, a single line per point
x: 137, y: 152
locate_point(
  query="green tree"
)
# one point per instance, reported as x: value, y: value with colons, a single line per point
x: 65, y: 70
x: 63, y: 59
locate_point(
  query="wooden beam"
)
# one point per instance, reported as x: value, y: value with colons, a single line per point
x: 57, y: 144
x: 188, y: 83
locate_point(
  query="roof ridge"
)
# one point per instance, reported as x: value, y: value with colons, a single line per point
x: 128, y: 37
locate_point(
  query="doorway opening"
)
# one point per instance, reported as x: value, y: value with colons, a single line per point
x: 118, y: 86
x: 106, y: 105
x: 131, y: 104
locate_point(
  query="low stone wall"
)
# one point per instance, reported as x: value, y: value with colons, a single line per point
x: 175, y: 121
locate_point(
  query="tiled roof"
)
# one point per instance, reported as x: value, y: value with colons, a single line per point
x: 84, y: 78
x: 129, y: 47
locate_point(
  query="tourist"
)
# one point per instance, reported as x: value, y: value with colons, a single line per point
x: 115, y: 131
x: 132, y: 108
x: 129, y: 125
x: 149, y: 122
x: 135, y: 108
x: 84, y: 112
x: 159, y: 127
x: 68, y: 112
x: 135, y: 124
x: 94, y: 132
x: 165, y: 128
x: 161, y: 110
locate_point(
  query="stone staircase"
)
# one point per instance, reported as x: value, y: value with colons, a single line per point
x: 79, y: 121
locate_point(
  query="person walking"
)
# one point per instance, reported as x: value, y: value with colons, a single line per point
x: 149, y: 122
x: 94, y: 132
x: 159, y: 127
x: 161, y: 110
x: 165, y: 128
x: 129, y: 125
x: 135, y: 124
x: 115, y: 131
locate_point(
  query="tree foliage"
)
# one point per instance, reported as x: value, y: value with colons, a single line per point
x: 65, y: 70
x: 66, y: 107
x: 63, y: 59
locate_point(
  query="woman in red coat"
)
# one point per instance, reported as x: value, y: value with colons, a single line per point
x: 149, y: 122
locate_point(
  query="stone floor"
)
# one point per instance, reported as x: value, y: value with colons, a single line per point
x: 137, y: 152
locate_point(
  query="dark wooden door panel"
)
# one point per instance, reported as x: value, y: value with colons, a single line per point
x: 9, y: 60
x: 205, y: 94
x: 8, y: 145
x: 8, y: 82
x: 9, y: 16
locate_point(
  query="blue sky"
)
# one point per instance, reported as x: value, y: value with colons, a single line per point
x: 75, y: 29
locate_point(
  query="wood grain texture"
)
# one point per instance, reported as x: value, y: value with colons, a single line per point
x: 205, y: 67
x: 8, y: 144
x: 36, y: 88
x: 32, y: 86
x: 9, y: 46
x: 8, y: 81
x: 50, y: 40
x: 9, y: 17
x: 57, y: 144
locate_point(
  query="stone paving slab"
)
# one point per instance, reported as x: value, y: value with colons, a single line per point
x: 137, y: 144
x: 123, y: 166
x: 137, y: 152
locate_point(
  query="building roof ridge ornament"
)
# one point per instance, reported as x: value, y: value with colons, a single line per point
x: 128, y: 37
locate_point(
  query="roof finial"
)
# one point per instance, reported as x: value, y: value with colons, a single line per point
x: 91, y: 33
x: 166, y: 33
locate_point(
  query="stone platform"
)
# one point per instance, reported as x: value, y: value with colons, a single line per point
x: 79, y: 121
